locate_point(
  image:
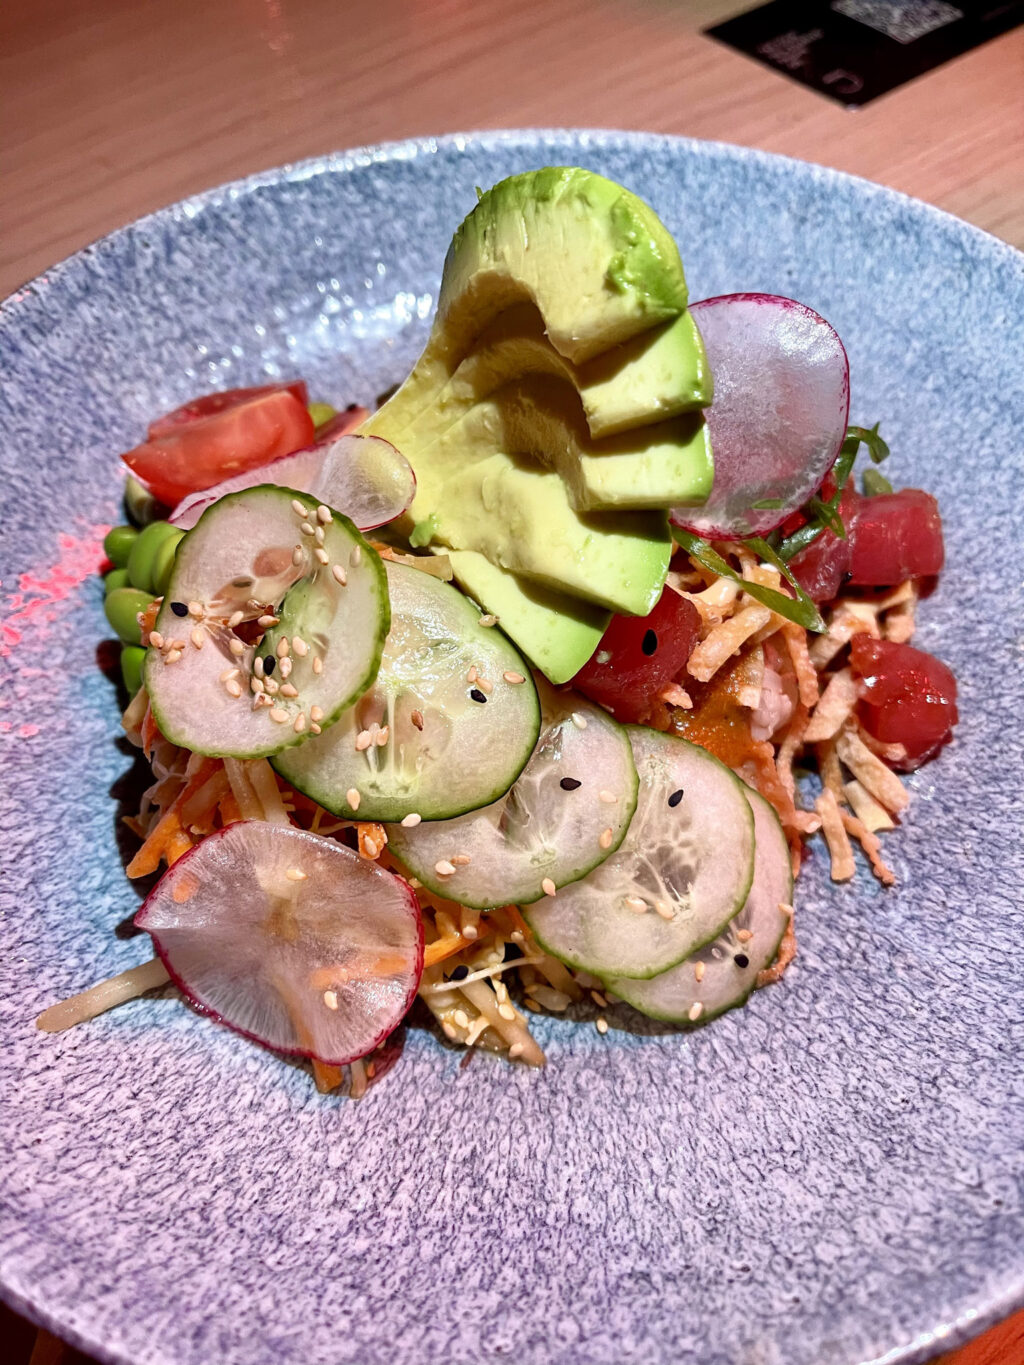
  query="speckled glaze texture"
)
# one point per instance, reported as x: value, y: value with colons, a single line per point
x: 829, y: 1176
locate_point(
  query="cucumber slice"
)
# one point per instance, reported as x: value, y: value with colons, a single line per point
x: 681, y: 873
x: 731, y: 962
x: 429, y: 738
x: 568, y: 810
x: 215, y: 690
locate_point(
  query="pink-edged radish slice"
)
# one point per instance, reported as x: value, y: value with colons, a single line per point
x: 290, y: 939
x: 362, y: 476
x: 782, y: 398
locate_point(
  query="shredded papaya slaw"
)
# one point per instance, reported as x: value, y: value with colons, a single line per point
x: 757, y: 691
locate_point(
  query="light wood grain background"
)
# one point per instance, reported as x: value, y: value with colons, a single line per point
x: 111, y: 108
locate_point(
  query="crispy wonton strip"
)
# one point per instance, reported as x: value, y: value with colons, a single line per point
x: 752, y: 680
x: 852, y: 618
x: 830, y: 772
x: 788, y: 749
x: 832, y: 827
x: 869, y: 843
x: 871, y: 772
x: 725, y: 640
x: 835, y: 707
x: 890, y: 753
x: 807, y: 679
x: 867, y: 810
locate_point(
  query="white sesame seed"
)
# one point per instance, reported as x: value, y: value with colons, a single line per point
x: 323, y: 514
x: 316, y: 713
x: 598, y: 999
x: 516, y: 1050
x: 601, y: 1024
x: 156, y: 639
x: 306, y: 528
x: 637, y: 904
x: 417, y: 719
x: 356, y: 557
x: 256, y: 685
x: 300, y: 647
x: 609, y: 798
x: 298, y: 556
x: 517, y: 936
x: 548, y: 887
x: 289, y: 690
x: 322, y: 557
x: 315, y: 729
x: 283, y: 647
x: 363, y: 740
x: 298, y: 508
x: 235, y: 619
x: 511, y: 677
x: 579, y: 720
x: 172, y: 656
x: 267, y: 621
x: 461, y: 859
x: 461, y: 1018
x: 744, y: 935
x: 605, y: 838
x: 664, y: 909
x: 443, y: 867
x: 353, y: 797
x: 237, y: 648
x: 472, y: 675
x: 318, y: 665
x: 300, y: 723
x: 178, y: 644
x: 257, y: 666
x: 411, y: 820
x: 295, y: 874
x: 228, y: 674
x: 507, y: 1012
x: 488, y: 619
x: 197, y: 637
x: 381, y: 737
x: 331, y: 999
x: 272, y: 686
x: 449, y: 1030
x: 695, y: 1010
x: 234, y: 687
x: 276, y: 713
x: 285, y: 668
x: 698, y: 970
x: 319, y: 535
x: 339, y: 574
x: 471, y: 932
x: 485, y: 684
x: 196, y: 609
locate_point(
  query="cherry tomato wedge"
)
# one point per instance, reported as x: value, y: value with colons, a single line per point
x: 898, y: 536
x: 638, y: 656
x: 909, y: 696
x: 822, y: 567
x: 209, y: 404
x: 197, y: 452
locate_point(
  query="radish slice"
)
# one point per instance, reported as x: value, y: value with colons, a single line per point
x: 782, y: 398
x: 362, y: 476
x: 290, y: 939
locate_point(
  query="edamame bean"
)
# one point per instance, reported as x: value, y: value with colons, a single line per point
x: 140, y: 504
x: 116, y: 578
x: 143, y: 555
x: 117, y: 544
x: 132, y: 659
x: 321, y: 413
x: 163, y: 562
x: 122, y: 608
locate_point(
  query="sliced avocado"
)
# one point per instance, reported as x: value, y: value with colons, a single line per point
x: 665, y: 465
x: 595, y: 260
x: 557, y: 633
x: 520, y: 517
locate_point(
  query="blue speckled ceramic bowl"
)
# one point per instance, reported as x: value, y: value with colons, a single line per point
x: 831, y: 1175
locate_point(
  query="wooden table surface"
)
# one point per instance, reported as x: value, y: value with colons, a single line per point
x: 110, y: 108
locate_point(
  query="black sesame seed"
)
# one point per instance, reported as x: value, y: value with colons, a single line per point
x: 460, y: 973
x: 179, y: 608
x: 676, y: 797
x: 269, y: 664
x: 741, y: 960
x: 477, y: 695
x: 569, y: 784
x: 650, y: 642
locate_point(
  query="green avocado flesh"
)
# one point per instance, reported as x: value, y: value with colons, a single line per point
x: 554, y: 414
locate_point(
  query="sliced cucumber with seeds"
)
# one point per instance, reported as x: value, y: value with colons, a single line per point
x: 681, y: 873
x: 722, y: 974
x: 568, y: 810
x: 221, y: 683
x: 447, y: 726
